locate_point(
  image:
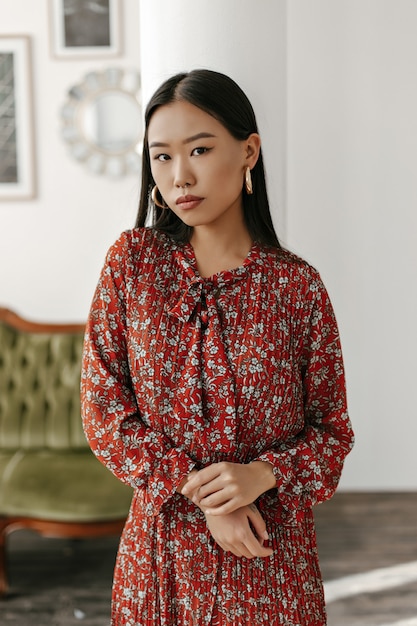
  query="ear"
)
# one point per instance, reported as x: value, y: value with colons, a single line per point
x: 252, y: 149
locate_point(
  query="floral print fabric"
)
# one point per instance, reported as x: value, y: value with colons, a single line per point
x: 181, y: 371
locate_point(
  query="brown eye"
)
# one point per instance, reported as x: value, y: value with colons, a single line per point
x: 200, y: 150
x: 162, y: 157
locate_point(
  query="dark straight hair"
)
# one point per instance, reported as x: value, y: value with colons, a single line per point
x: 219, y: 96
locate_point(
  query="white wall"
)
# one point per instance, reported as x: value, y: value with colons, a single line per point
x: 352, y: 209
x: 52, y: 248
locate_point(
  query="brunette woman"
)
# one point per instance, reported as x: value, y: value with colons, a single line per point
x: 213, y: 380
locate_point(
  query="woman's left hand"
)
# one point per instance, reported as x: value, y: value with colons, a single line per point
x: 224, y: 487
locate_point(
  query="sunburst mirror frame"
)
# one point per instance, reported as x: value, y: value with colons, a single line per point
x: 102, y: 105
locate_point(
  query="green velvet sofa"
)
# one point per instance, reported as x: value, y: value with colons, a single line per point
x: 49, y: 479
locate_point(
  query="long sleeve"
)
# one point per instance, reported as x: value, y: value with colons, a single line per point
x: 136, y: 453
x: 308, y: 467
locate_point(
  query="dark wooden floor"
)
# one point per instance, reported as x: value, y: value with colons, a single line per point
x: 358, y: 533
x: 56, y: 582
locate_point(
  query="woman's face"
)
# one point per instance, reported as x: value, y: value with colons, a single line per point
x: 198, y: 165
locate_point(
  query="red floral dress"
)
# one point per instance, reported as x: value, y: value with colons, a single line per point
x: 181, y: 371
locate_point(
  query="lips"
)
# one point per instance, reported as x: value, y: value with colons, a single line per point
x: 188, y: 202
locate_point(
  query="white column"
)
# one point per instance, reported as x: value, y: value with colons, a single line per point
x: 241, y: 38
x: 352, y: 199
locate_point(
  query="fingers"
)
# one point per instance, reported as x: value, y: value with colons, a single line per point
x: 213, y: 488
x: 218, y: 488
x: 250, y: 548
x: 211, y: 507
x: 236, y: 533
x: 217, y: 498
x: 224, y: 487
x: 202, y: 477
x: 255, y: 548
x: 257, y: 522
x: 185, y: 481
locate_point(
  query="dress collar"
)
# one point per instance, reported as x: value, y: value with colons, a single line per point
x: 189, y: 296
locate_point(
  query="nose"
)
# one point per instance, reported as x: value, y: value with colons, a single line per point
x: 183, y: 176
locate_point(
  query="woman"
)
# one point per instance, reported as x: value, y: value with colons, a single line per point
x: 213, y: 380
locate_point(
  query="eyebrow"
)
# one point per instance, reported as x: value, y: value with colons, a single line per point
x: 203, y: 135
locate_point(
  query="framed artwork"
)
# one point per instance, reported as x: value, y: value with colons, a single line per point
x: 85, y: 28
x: 17, y: 158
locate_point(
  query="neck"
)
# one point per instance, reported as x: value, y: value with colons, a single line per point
x: 219, y: 250
x: 221, y: 242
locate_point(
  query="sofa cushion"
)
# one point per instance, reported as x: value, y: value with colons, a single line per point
x: 64, y: 486
x: 39, y: 390
x: 4, y: 461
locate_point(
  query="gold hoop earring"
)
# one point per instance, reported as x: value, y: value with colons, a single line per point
x: 248, y: 182
x: 155, y: 199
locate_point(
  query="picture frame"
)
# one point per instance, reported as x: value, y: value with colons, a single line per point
x: 83, y: 29
x: 17, y: 156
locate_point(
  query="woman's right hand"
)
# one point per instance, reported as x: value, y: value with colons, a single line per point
x: 242, y: 532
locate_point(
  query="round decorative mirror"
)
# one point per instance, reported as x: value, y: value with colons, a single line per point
x: 102, y: 122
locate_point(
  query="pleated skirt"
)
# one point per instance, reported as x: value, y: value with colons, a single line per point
x: 170, y: 572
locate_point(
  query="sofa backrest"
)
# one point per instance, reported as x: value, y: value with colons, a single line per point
x: 40, y: 367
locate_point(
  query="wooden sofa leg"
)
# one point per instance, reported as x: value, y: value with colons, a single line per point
x: 3, y: 566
